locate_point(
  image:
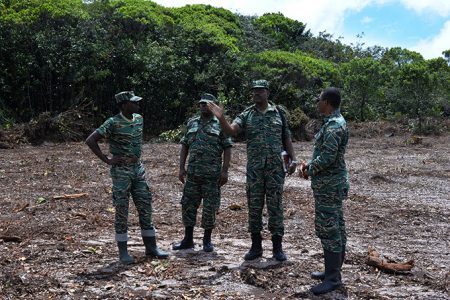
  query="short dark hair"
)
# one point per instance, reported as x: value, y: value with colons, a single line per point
x: 332, y: 95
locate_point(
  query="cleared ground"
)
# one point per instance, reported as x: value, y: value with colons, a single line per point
x: 63, y: 248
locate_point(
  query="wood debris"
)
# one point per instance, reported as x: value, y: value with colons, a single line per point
x: 374, y: 259
x: 71, y: 196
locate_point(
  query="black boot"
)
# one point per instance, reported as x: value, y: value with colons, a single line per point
x: 124, y: 257
x: 332, y: 273
x: 188, y: 240
x: 256, y: 249
x: 278, y: 253
x: 321, y: 275
x: 151, y: 249
x: 207, y: 245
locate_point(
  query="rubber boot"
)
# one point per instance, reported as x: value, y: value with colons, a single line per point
x: 321, y: 275
x: 151, y: 249
x: 207, y: 245
x: 188, y: 240
x: 332, y: 273
x: 278, y: 253
x: 256, y: 248
x: 124, y: 257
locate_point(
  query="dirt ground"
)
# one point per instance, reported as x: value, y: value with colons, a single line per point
x: 50, y: 248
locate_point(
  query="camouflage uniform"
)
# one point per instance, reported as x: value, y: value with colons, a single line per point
x: 125, y: 140
x: 265, y: 174
x: 206, y: 142
x: 329, y: 181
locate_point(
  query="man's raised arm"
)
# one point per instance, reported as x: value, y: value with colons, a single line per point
x: 231, y: 130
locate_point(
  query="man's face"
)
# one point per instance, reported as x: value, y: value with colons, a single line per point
x: 131, y: 107
x: 322, y: 105
x: 260, y: 94
x: 204, y: 108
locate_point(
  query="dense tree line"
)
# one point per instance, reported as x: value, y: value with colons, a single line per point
x: 55, y: 54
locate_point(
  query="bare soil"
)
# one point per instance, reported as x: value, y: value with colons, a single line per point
x: 50, y: 248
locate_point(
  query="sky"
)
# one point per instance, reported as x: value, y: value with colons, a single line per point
x: 418, y: 25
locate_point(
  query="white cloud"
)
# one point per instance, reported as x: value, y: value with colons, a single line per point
x: 440, y: 7
x: 366, y: 20
x: 433, y: 47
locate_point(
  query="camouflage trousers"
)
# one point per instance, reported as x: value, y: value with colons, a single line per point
x: 265, y: 185
x: 130, y: 180
x: 329, y: 220
x: 197, y: 188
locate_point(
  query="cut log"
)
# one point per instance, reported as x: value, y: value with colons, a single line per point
x: 374, y: 259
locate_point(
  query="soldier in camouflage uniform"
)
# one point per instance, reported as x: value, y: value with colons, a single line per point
x: 124, y: 135
x: 205, y: 142
x: 330, y: 185
x: 267, y: 134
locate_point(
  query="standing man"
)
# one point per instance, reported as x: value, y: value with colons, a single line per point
x: 205, y: 142
x: 266, y: 131
x: 124, y: 135
x: 329, y: 182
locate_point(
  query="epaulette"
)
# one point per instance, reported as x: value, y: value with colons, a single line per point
x: 194, y: 118
x: 249, y: 108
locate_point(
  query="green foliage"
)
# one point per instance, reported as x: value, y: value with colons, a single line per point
x: 446, y: 54
x: 298, y: 118
x: 363, y: 81
x: 295, y: 78
x: 287, y: 33
x: 55, y: 53
x: 142, y: 11
x: 398, y: 57
x: 326, y: 47
x: 6, y: 121
x: 28, y: 11
x: 297, y: 122
x: 173, y: 136
x: 209, y: 25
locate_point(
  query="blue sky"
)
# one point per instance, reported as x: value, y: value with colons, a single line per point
x: 418, y: 25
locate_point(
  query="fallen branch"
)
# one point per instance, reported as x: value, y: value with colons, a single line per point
x: 70, y: 196
x: 374, y: 259
x: 21, y: 208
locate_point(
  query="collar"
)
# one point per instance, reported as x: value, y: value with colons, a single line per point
x: 334, y: 114
x: 125, y: 118
x: 270, y: 107
x: 212, y: 119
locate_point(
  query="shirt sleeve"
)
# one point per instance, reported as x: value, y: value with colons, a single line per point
x: 107, y: 128
x: 184, y: 139
x: 331, y: 141
x: 226, y: 141
x: 241, y: 119
x: 286, y: 130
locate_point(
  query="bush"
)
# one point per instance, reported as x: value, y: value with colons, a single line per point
x: 297, y: 121
x: 173, y: 135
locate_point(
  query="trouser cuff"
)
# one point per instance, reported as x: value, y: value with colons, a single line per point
x: 148, y: 232
x: 121, y: 237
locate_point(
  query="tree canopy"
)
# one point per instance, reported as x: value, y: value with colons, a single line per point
x: 56, y: 54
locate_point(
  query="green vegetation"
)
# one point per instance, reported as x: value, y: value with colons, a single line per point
x: 56, y: 54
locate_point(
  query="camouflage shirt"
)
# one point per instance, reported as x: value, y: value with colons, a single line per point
x: 206, y: 142
x: 328, y: 163
x: 263, y: 132
x: 124, y: 136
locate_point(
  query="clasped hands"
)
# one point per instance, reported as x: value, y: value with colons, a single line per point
x: 303, y: 170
